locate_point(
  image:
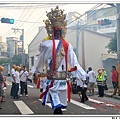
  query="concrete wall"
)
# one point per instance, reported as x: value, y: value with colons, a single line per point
x: 94, y: 47
x: 33, y: 46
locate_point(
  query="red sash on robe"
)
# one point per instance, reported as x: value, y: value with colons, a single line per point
x: 65, y: 45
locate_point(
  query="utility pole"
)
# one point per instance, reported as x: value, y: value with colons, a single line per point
x: 22, y: 39
x: 77, y: 38
x: 118, y: 44
x: 83, y: 52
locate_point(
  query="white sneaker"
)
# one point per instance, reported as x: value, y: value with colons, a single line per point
x: 26, y: 95
x: 21, y: 95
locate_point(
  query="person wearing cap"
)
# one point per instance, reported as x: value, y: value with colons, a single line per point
x: 55, y: 54
x: 92, y: 80
x: 1, y: 88
x: 12, y: 79
x: 100, y: 83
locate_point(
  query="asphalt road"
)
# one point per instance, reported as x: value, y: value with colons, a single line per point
x: 32, y: 106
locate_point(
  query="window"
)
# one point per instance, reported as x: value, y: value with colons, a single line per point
x: 32, y: 61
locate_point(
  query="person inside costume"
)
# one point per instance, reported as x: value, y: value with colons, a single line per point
x: 56, y: 56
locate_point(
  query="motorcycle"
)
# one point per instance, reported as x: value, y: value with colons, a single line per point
x: 73, y: 83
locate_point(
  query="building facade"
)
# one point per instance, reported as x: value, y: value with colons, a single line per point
x: 12, y: 43
x: 96, y: 17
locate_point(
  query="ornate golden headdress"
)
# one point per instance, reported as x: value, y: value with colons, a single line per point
x: 56, y: 21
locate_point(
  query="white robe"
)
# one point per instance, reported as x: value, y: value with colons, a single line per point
x: 58, y: 92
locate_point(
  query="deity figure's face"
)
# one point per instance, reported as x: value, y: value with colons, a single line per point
x: 58, y: 34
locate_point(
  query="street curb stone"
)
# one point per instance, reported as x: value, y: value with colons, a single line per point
x: 112, y: 96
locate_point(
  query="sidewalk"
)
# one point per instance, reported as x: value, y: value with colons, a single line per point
x: 108, y: 93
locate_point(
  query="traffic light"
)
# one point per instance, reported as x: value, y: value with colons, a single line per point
x: 7, y: 20
x: 104, y: 22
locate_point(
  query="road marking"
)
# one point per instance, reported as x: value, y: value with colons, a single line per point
x: 81, y: 104
x: 96, y: 101
x: 23, y: 108
x: 30, y: 86
x: 49, y: 104
x: 109, y: 105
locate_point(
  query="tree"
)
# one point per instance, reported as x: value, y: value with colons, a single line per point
x: 112, y: 45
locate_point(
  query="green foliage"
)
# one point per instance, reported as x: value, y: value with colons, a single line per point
x: 112, y: 45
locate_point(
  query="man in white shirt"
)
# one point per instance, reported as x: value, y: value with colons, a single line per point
x: 79, y: 82
x: 12, y: 79
x: 30, y: 76
x: 92, y: 80
x: 16, y: 82
x: 24, y: 77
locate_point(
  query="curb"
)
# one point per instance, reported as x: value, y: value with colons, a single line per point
x: 112, y: 96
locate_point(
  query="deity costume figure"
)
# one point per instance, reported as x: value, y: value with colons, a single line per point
x: 56, y: 56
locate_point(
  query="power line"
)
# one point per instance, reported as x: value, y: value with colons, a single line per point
x: 80, y: 16
x: 25, y: 15
x: 85, y: 13
x: 33, y: 30
x: 16, y: 23
x: 95, y: 19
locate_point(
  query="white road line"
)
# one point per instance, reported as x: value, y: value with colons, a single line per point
x: 23, y: 108
x: 49, y: 104
x: 99, y: 102
x: 96, y: 101
x: 81, y: 104
x: 109, y: 105
x: 30, y: 86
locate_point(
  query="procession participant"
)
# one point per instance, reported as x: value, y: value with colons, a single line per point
x: 55, y: 54
x: 24, y: 77
x: 17, y: 81
x: 12, y: 80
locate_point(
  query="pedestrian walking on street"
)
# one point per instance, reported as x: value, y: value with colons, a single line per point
x: 24, y: 77
x: 79, y: 89
x: 100, y: 83
x: 114, y: 78
x: 83, y: 88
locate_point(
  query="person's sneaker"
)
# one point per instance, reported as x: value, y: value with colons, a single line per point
x: 21, y: 95
x: 26, y: 95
